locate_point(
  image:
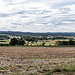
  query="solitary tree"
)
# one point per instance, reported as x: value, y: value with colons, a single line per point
x: 13, y: 42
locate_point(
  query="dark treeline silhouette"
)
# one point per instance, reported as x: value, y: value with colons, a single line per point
x: 14, y: 42
x: 14, y: 33
x: 70, y: 42
x: 21, y: 42
x: 34, y: 39
x: 57, y: 37
x: 4, y: 37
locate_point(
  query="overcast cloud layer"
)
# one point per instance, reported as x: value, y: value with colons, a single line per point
x: 37, y: 15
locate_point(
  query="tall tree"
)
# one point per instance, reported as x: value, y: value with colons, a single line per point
x: 13, y: 42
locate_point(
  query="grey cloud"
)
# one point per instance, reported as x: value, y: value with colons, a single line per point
x: 24, y: 16
x: 29, y: 23
x: 64, y: 10
x: 20, y: 12
x: 70, y: 20
x: 7, y: 14
x: 23, y: 24
x: 67, y: 15
x: 60, y: 23
x: 15, y: 23
x: 44, y: 22
x: 4, y: 15
x: 12, y: 14
x: 13, y: 26
x: 59, y: 5
x: 33, y: 12
x: 46, y: 16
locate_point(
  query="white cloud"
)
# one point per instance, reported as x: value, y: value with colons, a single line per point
x: 40, y: 15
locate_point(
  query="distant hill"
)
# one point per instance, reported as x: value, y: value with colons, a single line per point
x: 15, y: 33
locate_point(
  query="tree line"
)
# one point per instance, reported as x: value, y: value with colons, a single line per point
x: 70, y: 42
x: 18, y: 42
x: 22, y: 41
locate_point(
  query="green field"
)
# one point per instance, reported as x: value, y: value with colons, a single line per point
x: 4, y: 41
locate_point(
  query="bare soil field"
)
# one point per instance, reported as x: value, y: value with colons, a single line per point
x: 35, y: 60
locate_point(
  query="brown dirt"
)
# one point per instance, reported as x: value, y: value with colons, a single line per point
x: 40, y: 52
x: 29, y: 56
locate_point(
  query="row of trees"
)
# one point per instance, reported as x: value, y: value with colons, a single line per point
x: 34, y: 39
x: 15, y: 42
x: 4, y: 37
x: 70, y: 42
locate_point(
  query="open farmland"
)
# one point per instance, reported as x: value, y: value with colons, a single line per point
x: 36, y: 60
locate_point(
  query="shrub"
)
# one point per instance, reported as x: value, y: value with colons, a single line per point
x: 4, y: 44
x: 21, y: 42
x: 43, y: 44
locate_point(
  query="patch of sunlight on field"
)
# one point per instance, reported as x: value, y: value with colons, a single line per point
x: 63, y: 40
x: 4, y: 41
x: 47, y: 44
x: 32, y: 44
x: 52, y: 44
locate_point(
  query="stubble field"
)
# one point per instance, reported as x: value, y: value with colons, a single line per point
x: 37, y: 60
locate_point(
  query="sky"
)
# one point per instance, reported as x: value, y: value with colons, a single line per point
x: 37, y: 15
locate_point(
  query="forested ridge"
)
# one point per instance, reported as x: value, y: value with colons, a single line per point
x: 17, y: 33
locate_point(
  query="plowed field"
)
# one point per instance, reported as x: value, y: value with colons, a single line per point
x: 36, y: 52
x: 29, y: 56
